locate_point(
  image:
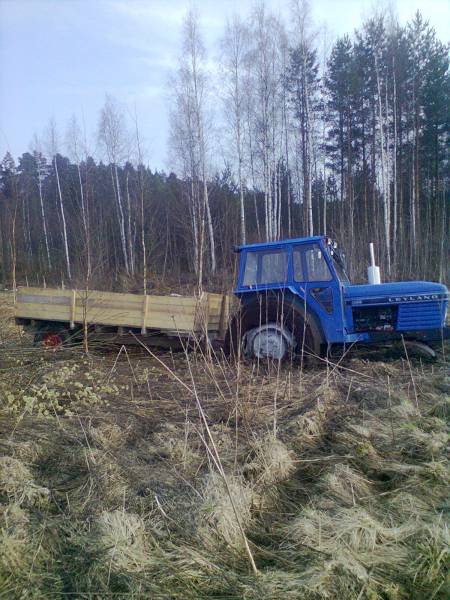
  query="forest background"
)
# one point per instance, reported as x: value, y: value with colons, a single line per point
x: 279, y: 135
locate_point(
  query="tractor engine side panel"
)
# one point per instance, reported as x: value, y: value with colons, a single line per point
x: 374, y: 318
x: 410, y: 318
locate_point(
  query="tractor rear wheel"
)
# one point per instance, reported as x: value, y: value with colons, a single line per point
x: 269, y: 328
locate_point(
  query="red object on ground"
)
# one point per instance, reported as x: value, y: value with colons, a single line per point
x: 51, y: 340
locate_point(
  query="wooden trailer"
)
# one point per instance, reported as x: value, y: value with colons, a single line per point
x: 56, y: 315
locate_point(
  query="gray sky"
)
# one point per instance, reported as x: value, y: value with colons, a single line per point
x: 60, y: 57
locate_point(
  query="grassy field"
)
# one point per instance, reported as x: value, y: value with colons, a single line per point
x: 130, y: 475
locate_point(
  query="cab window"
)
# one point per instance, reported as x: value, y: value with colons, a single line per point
x: 265, y: 267
x: 297, y: 257
x: 310, y: 264
x: 251, y: 269
x: 274, y: 267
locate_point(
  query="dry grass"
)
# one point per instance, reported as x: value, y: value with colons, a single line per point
x: 110, y: 485
x: 16, y: 483
x: 122, y: 536
x: 273, y: 461
x: 216, y: 517
x: 345, y: 485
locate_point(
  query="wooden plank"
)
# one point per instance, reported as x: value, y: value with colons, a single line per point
x: 43, y: 312
x: 46, y: 304
x: 35, y: 291
x: 115, y: 297
x: 179, y: 313
x: 136, y: 300
x: 109, y: 311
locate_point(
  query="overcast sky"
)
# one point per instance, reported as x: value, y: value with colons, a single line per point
x: 60, y: 57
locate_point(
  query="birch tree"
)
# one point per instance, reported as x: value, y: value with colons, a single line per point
x: 378, y: 39
x: 189, y: 130
x: 266, y: 81
x: 78, y: 153
x: 53, y: 149
x: 113, y: 138
x: 234, y: 49
x: 141, y: 186
x: 303, y: 80
x: 41, y: 173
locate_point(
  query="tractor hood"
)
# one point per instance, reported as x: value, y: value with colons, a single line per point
x: 399, y: 292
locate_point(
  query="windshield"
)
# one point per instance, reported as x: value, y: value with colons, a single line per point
x: 339, y: 266
x: 338, y: 260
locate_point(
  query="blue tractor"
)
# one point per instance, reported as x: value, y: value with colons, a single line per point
x: 295, y: 297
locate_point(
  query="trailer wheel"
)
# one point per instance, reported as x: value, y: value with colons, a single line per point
x: 262, y: 330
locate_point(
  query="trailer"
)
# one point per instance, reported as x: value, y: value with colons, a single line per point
x: 60, y: 316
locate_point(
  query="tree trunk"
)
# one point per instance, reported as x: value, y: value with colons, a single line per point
x: 63, y: 218
x: 44, y: 221
x: 115, y: 174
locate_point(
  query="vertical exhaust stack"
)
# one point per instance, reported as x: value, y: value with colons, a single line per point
x: 373, y: 272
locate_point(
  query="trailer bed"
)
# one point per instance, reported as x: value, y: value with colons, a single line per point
x: 172, y: 314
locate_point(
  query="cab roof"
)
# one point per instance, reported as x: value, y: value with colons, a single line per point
x: 288, y: 242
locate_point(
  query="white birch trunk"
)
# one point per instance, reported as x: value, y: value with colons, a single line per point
x: 307, y: 166
x: 44, y: 220
x: 384, y: 174
x: 85, y: 223
x: 193, y: 210
x: 130, y: 236
x: 324, y: 231
x: 63, y: 218
x: 275, y: 204
x: 252, y: 171
x: 210, y: 227
x: 279, y: 205
x: 121, y: 218
x: 241, y: 187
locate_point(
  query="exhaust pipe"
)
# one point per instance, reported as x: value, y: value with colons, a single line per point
x: 373, y: 272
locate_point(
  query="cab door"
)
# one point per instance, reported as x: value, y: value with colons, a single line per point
x: 319, y: 288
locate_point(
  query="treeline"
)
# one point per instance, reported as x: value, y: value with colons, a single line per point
x: 285, y: 137
x: 33, y: 232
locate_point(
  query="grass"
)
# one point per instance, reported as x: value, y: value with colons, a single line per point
x: 165, y: 476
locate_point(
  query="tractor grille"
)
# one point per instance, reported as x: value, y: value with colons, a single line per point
x: 419, y: 315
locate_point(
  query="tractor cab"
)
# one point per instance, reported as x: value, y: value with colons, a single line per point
x: 302, y: 260
x: 289, y: 290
